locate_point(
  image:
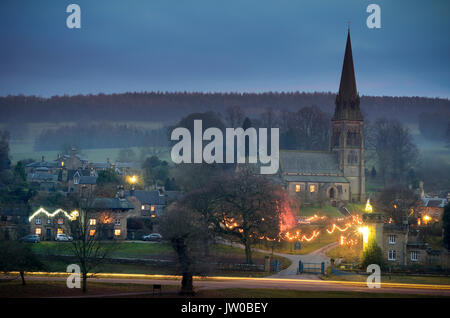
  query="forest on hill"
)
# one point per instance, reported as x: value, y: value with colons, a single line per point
x: 168, y: 107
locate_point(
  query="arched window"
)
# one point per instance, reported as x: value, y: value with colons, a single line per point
x: 332, y: 193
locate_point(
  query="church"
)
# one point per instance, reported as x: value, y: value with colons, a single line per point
x: 335, y: 176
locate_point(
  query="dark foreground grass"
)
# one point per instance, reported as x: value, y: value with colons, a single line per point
x: 49, y: 289
x: 283, y: 293
x: 46, y: 289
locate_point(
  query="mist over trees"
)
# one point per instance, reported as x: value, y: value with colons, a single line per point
x: 99, y: 135
x: 164, y: 106
x: 395, y: 151
x: 435, y: 126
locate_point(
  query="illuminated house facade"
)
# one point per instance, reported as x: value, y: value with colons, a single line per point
x: 336, y: 175
x: 401, y: 245
x: 108, y: 214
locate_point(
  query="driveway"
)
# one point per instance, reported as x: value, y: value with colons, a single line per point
x: 317, y: 256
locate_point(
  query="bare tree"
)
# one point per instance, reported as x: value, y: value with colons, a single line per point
x: 88, y: 228
x: 183, y: 228
x: 250, y: 207
x: 395, y: 150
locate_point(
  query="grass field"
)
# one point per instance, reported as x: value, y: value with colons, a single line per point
x: 348, y: 255
x: 326, y: 210
x: 22, y: 142
x: 306, y: 247
x: 157, y: 251
x: 33, y: 289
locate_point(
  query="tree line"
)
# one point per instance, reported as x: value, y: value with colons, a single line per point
x: 164, y: 106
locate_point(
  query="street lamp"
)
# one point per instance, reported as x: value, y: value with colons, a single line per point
x: 132, y: 179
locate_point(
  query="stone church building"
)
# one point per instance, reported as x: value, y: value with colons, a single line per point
x: 337, y: 175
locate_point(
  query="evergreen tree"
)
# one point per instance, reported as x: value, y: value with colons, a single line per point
x: 372, y: 255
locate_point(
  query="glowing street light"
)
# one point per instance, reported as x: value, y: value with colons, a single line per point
x: 364, y: 230
x: 132, y: 179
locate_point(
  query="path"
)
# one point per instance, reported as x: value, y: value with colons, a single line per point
x: 316, y: 256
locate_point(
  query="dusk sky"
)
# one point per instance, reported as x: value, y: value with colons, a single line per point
x: 223, y: 46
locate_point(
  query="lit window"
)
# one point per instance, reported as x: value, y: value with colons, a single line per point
x: 152, y: 208
x: 391, y: 255
x: 91, y: 232
x: 60, y: 221
x: 392, y: 239
x: 60, y: 231
x: 92, y: 221
x: 117, y: 232
x: 297, y: 188
x: 142, y: 207
x: 38, y: 231
x: 38, y: 221
x: 117, y: 221
x: 312, y: 188
x: 62, y: 163
x: 414, y: 256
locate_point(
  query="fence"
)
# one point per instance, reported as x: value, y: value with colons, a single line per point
x: 317, y: 268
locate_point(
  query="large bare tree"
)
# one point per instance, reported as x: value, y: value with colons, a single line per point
x: 88, y: 245
x: 183, y: 229
x: 250, y: 207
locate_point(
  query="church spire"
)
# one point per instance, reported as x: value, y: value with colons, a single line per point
x: 347, y: 100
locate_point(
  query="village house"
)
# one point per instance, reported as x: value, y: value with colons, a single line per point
x: 431, y: 209
x: 108, y: 214
x: 151, y: 203
x: 401, y: 244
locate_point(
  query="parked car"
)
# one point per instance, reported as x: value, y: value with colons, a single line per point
x: 154, y: 237
x: 63, y: 238
x: 32, y: 238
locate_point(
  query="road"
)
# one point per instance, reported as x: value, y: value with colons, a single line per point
x: 279, y: 283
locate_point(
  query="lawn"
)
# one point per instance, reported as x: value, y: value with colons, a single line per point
x: 121, y: 249
x: 348, y: 255
x: 306, y: 247
x: 220, y: 253
x: 325, y: 210
x: 35, y: 289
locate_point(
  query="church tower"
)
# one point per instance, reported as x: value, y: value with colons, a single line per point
x: 347, y: 136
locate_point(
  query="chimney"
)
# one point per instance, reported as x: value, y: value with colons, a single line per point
x: 43, y: 158
x: 132, y: 191
x: 74, y: 150
x: 121, y: 192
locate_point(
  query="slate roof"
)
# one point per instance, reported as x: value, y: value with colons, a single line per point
x: 46, y: 164
x: 309, y: 162
x: 319, y: 179
x: 112, y: 204
x: 82, y: 172
x: 434, y: 202
x: 42, y: 177
x: 88, y: 180
x: 100, y: 165
x: 148, y: 197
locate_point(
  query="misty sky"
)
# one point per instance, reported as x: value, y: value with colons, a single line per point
x: 223, y: 45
